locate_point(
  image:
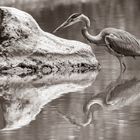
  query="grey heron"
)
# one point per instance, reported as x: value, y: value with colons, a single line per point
x: 118, y: 42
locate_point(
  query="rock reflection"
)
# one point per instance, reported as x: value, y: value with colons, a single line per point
x: 117, y: 94
x: 21, y: 99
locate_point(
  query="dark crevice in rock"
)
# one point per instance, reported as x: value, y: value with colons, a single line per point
x: 47, y: 69
x: 2, y: 38
x: 22, y: 65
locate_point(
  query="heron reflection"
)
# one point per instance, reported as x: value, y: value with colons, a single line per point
x: 116, y: 95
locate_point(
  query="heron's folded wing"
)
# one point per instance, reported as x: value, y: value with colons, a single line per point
x: 125, y: 44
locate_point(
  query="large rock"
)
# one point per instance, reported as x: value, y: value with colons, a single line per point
x: 27, y: 48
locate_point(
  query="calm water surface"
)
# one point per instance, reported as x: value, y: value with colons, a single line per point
x: 51, y: 108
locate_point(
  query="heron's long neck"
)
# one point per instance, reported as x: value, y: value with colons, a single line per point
x: 89, y: 112
x: 93, y: 39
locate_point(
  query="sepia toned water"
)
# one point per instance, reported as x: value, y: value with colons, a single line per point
x: 53, y: 108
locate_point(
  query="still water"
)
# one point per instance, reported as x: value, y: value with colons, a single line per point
x: 53, y: 107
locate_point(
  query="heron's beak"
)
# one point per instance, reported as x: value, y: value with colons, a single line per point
x: 62, y: 26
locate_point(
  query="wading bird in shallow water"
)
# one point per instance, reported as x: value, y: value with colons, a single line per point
x: 118, y: 42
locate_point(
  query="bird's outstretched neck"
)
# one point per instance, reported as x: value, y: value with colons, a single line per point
x: 93, y: 39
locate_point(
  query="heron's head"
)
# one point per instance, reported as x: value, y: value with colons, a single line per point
x: 90, y: 108
x: 93, y: 104
x: 74, y: 18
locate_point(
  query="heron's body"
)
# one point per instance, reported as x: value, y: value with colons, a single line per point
x: 118, y: 42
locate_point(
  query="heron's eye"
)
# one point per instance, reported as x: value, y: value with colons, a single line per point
x: 71, y: 19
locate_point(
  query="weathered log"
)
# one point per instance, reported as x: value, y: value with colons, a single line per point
x: 24, y: 46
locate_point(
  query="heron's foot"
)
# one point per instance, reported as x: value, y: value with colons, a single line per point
x: 122, y: 64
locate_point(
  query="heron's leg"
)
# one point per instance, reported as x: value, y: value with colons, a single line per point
x: 122, y: 64
x: 119, y: 58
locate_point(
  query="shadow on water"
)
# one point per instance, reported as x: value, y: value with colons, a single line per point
x: 21, y: 99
